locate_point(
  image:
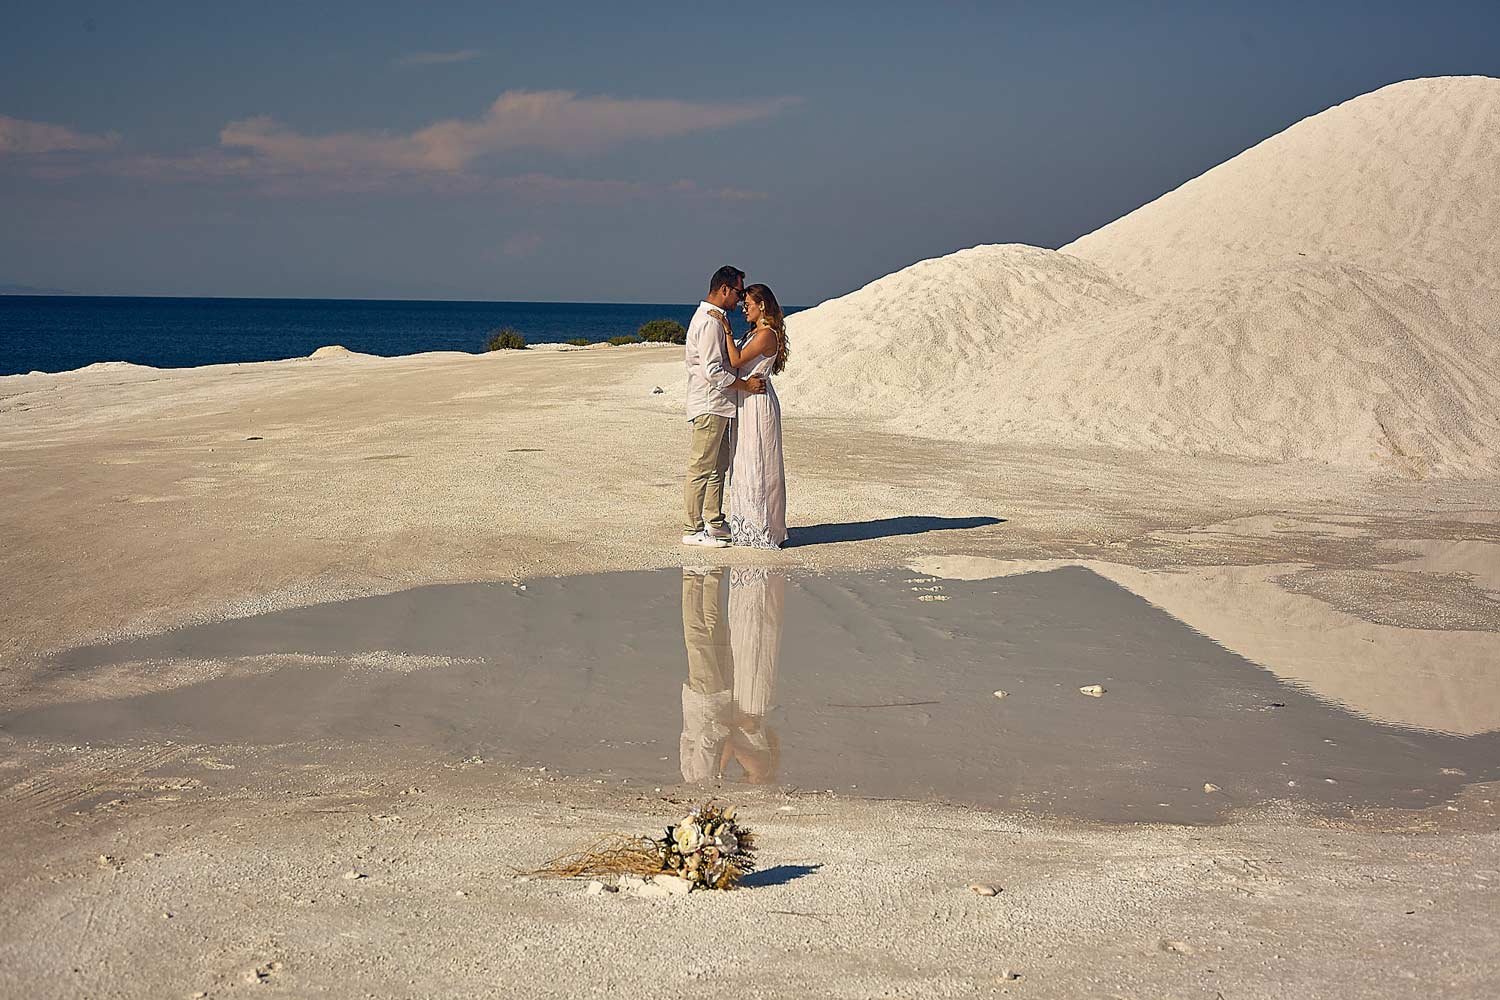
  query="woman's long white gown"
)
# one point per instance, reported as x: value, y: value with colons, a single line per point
x: 757, y: 480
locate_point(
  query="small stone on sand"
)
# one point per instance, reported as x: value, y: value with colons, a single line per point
x: 984, y: 889
x: 594, y: 888
x: 1092, y: 690
x: 351, y: 875
x: 656, y: 887
x: 674, y: 885
x: 1000, y: 694
x: 1210, y: 788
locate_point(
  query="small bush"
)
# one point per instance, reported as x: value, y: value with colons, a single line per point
x: 578, y: 342
x: 663, y: 331
x: 622, y: 341
x: 505, y: 339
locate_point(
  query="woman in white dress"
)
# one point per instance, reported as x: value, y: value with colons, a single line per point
x: 757, y: 480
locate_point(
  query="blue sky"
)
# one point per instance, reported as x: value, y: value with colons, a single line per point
x: 620, y: 152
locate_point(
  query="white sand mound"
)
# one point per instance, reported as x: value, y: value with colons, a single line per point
x: 1405, y: 179
x: 333, y: 351
x: 1328, y: 296
x: 1289, y: 362
x: 939, y: 331
x: 111, y: 366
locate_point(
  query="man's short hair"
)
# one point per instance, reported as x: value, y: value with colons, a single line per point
x: 725, y: 275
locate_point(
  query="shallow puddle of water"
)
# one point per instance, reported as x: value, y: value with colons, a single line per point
x: 868, y: 684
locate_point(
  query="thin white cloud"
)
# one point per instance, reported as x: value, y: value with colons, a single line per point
x: 19, y: 136
x: 693, y: 189
x: 218, y: 166
x: 552, y: 121
x: 445, y: 157
x: 437, y: 58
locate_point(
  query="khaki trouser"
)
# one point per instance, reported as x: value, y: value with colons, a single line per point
x: 709, y: 457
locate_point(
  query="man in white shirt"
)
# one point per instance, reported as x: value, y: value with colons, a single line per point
x: 711, y: 389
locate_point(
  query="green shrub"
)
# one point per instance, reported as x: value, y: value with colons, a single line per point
x: 505, y: 339
x: 578, y: 342
x: 662, y: 331
x: 627, y: 339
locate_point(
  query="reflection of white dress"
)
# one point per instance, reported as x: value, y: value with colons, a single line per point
x: 757, y: 481
x: 757, y: 601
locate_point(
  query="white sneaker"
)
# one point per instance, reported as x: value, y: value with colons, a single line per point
x: 724, y: 535
x: 705, y: 540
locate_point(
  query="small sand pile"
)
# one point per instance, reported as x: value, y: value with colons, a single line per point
x: 1330, y: 295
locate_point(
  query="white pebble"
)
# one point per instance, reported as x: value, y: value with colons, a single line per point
x: 674, y: 885
x: 1092, y: 690
x: 984, y: 889
x: 1000, y: 694
x: 1210, y: 788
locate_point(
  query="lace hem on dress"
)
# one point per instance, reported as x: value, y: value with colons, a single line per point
x: 750, y: 535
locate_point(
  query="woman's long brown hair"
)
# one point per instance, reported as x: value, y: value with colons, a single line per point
x: 772, y: 317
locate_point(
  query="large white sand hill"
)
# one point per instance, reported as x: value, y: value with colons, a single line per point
x: 1406, y: 178
x: 1329, y: 296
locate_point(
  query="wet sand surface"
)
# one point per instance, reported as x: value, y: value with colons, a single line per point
x: 872, y: 685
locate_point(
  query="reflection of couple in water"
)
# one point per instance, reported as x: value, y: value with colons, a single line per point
x: 733, y: 645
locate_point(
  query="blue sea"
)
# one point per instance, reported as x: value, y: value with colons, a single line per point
x: 54, y: 333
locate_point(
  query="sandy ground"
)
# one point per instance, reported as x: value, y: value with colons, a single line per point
x: 141, y: 500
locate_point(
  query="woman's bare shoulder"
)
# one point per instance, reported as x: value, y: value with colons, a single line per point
x: 763, y: 341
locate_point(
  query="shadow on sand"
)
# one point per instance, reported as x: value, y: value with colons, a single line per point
x: 777, y: 875
x: 886, y: 527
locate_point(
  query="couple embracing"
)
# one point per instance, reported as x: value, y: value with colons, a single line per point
x: 736, y: 419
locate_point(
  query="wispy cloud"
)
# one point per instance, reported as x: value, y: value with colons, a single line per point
x: 449, y: 156
x: 693, y: 189
x: 549, y: 120
x: 19, y: 136
x: 273, y: 178
x: 536, y: 188
x: 437, y: 58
